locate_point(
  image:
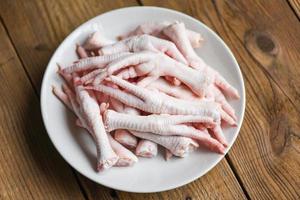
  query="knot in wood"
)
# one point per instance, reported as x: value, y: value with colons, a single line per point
x: 41, y: 47
x: 188, y: 198
x: 265, y: 43
x: 262, y: 46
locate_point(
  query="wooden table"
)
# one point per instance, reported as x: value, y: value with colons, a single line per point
x: 264, y: 162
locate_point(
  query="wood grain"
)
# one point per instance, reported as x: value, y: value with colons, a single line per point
x: 295, y: 4
x: 38, y: 27
x: 35, y: 41
x: 219, y: 183
x: 30, y: 166
x: 266, y: 45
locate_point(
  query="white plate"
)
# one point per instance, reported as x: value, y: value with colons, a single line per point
x: 148, y: 175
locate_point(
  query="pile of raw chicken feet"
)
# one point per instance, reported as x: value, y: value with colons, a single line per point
x: 149, y: 88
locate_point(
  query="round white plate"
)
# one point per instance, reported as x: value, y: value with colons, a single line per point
x: 148, y: 175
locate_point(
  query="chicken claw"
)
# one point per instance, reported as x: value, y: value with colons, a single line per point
x: 177, y: 33
x: 143, y: 43
x: 163, y: 125
x: 155, y: 29
x: 146, y: 149
x: 155, y: 65
x: 179, y: 146
x: 154, y: 102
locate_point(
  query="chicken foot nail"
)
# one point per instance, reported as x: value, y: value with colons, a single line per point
x: 146, y: 149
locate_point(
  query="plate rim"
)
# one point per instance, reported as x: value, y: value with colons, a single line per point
x: 169, y: 187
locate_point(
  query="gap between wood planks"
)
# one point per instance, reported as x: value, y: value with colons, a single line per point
x: 15, y: 49
x: 235, y: 173
x: 232, y: 167
x: 297, y: 13
x: 37, y: 94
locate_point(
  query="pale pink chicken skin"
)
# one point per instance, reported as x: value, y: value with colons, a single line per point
x: 182, y: 92
x: 174, y: 110
x: 121, y: 135
x: 162, y: 140
x: 96, y: 41
x: 175, y: 141
x: 177, y: 33
x: 144, y: 43
x: 155, y: 65
x: 158, y: 103
x: 126, y: 157
x: 155, y: 29
x: 66, y: 77
x: 179, y: 146
x: 102, y: 98
x: 197, y: 106
x: 92, y: 63
x: 232, y: 122
x: 143, y: 145
x: 90, y: 109
x: 126, y: 138
x: 146, y: 149
x: 62, y: 97
x: 168, y: 154
x: 88, y: 112
x: 163, y: 125
x: 81, y: 52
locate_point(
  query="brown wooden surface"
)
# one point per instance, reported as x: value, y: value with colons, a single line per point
x: 93, y: 191
x: 30, y: 166
x: 266, y: 154
x: 263, y: 163
x: 295, y: 4
x: 219, y: 183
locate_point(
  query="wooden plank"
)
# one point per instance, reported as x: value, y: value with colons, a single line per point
x: 266, y: 154
x: 30, y: 166
x: 46, y: 25
x: 295, y: 4
x: 96, y: 191
x: 38, y: 27
x: 219, y: 183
